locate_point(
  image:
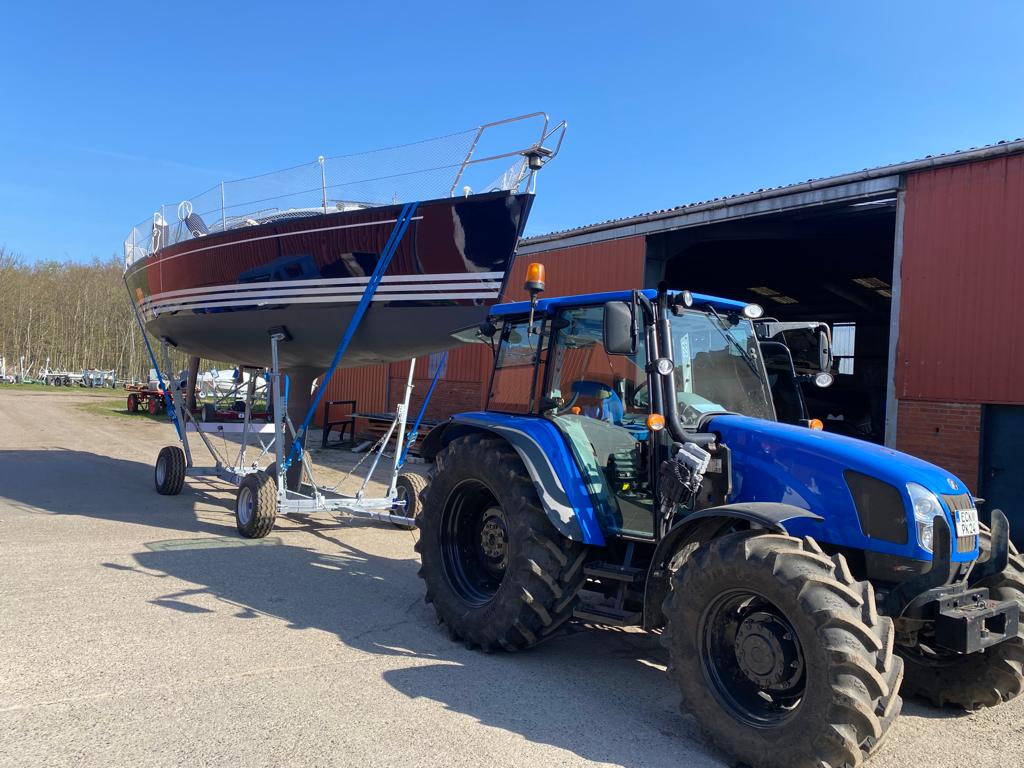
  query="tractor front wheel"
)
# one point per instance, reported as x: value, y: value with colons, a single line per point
x: 974, y: 680
x: 499, y: 574
x: 780, y: 654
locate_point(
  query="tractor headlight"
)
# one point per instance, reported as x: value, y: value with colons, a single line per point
x: 926, y: 509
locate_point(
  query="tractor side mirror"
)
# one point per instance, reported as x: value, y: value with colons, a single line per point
x: 824, y: 349
x: 619, y: 328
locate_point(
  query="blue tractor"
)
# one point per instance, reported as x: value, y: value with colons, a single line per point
x: 630, y: 470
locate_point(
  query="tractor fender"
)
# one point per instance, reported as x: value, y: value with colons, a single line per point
x: 548, y: 460
x: 704, y: 526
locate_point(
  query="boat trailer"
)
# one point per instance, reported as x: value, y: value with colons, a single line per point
x: 264, y: 493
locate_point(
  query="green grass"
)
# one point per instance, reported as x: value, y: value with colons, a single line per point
x: 73, y: 390
x: 119, y: 407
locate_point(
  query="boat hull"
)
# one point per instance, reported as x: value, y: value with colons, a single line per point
x: 220, y: 295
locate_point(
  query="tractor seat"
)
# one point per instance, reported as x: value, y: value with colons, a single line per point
x: 610, y: 409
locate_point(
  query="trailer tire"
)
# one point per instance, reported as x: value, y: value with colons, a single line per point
x: 133, y: 403
x: 975, y: 680
x: 499, y: 574
x: 209, y: 413
x: 256, y: 505
x: 154, y: 405
x: 751, y: 619
x: 169, y: 471
x: 409, y: 488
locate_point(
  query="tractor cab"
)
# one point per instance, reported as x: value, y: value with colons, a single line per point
x: 623, y: 376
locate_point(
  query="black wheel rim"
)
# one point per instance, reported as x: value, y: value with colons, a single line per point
x: 752, y: 659
x: 474, y: 542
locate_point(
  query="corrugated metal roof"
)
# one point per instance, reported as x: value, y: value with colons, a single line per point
x: 1005, y: 147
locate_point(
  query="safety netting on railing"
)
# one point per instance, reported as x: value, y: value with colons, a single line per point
x: 491, y: 157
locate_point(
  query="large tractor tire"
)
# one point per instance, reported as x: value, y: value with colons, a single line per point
x: 169, y: 471
x: 256, y: 505
x: 780, y: 654
x: 498, y: 573
x: 409, y: 488
x: 974, y: 680
x: 133, y: 403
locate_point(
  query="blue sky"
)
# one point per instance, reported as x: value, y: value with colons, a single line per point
x: 107, y: 109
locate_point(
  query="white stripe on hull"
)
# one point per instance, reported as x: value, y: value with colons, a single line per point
x: 317, y: 281
x: 342, y: 291
x: 348, y: 299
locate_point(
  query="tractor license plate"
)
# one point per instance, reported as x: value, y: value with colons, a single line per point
x: 967, y: 522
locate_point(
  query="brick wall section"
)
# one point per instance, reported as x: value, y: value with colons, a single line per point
x: 946, y: 434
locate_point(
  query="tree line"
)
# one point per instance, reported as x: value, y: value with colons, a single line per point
x: 76, y: 314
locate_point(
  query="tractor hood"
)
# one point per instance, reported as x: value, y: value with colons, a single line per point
x: 813, y: 470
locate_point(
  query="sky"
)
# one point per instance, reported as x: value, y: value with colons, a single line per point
x: 107, y: 109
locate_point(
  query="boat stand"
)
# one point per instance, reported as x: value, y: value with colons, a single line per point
x: 246, y: 473
x: 263, y: 494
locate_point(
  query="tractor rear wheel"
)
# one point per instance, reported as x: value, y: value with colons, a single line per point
x: 780, y: 654
x: 974, y: 680
x: 497, y: 571
x: 169, y: 472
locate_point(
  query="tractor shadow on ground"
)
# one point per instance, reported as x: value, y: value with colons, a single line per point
x: 601, y: 694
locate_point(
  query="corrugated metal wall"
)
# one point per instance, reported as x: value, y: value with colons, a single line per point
x: 606, y: 266
x: 366, y: 385
x: 612, y: 265
x: 962, y: 283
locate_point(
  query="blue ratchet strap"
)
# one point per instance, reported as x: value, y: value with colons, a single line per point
x: 401, y: 224
x: 167, y: 398
x: 423, y: 409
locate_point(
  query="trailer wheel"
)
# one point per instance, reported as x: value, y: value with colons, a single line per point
x: 780, y: 654
x: 169, y: 472
x: 154, y: 405
x: 498, y: 573
x: 256, y: 505
x: 975, y: 680
x: 209, y: 413
x: 133, y: 403
x: 409, y: 488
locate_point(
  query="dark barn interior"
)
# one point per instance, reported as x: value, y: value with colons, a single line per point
x: 827, y: 263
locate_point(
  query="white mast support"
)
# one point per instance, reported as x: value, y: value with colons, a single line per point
x: 403, y: 418
x: 401, y: 415
x: 275, y: 383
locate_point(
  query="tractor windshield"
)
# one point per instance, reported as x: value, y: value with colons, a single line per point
x: 718, y: 367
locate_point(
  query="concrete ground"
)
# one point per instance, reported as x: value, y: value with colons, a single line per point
x: 140, y: 630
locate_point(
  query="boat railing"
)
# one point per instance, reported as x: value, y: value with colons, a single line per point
x: 464, y: 163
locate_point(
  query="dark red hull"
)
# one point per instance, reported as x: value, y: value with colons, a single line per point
x: 217, y: 296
